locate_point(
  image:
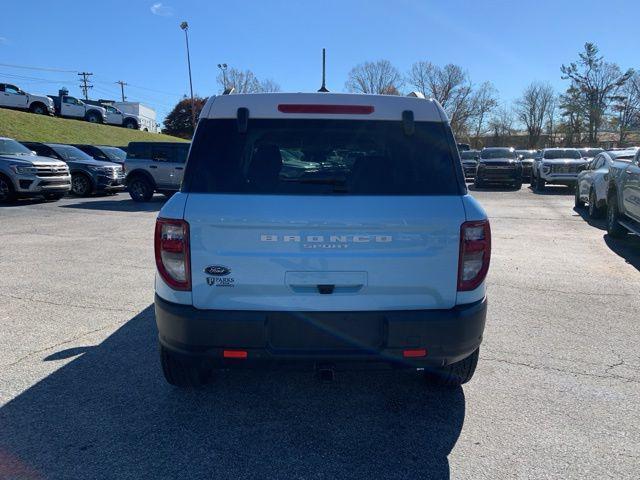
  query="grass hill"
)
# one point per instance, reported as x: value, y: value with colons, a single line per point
x: 41, y: 128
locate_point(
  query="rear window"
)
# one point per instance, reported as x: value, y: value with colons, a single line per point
x: 162, y: 152
x: 469, y: 155
x: 321, y: 157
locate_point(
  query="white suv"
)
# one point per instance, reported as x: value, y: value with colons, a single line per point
x: 322, y: 229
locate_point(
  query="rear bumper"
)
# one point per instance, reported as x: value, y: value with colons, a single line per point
x: 376, y: 336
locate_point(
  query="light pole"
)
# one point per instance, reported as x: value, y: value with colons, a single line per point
x: 223, y: 68
x: 185, y: 26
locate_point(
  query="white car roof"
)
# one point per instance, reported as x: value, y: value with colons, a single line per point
x: 283, y: 105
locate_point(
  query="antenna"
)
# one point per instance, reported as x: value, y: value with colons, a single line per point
x: 323, y: 88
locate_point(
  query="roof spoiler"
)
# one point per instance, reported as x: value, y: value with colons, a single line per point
x: 416, y: 95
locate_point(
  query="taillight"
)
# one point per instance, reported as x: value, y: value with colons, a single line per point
x: 172, y: 253
x: 475, y: 253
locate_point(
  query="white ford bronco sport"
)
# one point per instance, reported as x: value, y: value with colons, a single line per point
x: 325, y: 229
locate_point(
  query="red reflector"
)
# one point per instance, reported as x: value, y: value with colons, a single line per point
x: 418, y: 352
x: 234, y: 354
x: 339, y: 109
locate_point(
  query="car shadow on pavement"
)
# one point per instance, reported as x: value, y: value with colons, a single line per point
x: 22, y: 202
x: 118, y: 205
x: 553, y: 190
x: 599, y: 223
x: 627, y: 247
x: 109, y: 414
x: 492, y: 188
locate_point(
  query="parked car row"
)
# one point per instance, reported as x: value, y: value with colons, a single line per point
x: 64, y: 105
x: 507, y: 166
x: 52, y: 170
x: 611, y: 184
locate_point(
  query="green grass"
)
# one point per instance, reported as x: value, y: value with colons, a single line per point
x: 40, y: 128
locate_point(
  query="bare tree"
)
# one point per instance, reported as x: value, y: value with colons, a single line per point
x: 269, y: 86
x: 379, y: 77
x: 485, y: 100
x: 450, y: 85
x: 245, y: 81
x: 532, y: 109
x: 626, y: 107
x: 501, y: 124
x: 597, y: 81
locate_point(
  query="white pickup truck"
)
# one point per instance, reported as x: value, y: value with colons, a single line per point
x: 12, y: 96
x: 71, y: 107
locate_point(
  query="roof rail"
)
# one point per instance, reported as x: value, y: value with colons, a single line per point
x: 228, y: 91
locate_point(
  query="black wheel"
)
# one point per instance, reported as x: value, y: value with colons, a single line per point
x: 80, y: 185
x: 182, y: 371
x: 594, y: 210
x: 517, y: 185
x: 140, y: 189
x: 93, y: 117
x: 53, y: 197
x: 7, y: 192
x: 539, y: 185
x: 613, y: 215
x: 129, y: 123
x: 454, y: 374
x: 577, y: 202
x: 38, y: 109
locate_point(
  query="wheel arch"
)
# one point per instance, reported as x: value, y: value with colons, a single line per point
x: 139, y: 172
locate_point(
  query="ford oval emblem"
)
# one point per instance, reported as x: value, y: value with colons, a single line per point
x: 217, y: 270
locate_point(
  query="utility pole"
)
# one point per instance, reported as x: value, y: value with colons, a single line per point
x: 85, y: 85
x: 185, y: 26
x: 122, y: 85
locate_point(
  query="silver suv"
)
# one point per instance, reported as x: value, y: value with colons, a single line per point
x: 154, y: 167
x: 24, y: 174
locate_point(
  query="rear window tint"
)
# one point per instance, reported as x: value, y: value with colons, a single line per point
x: 321, y: 157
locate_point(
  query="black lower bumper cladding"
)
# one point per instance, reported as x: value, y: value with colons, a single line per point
x: 445, y: 336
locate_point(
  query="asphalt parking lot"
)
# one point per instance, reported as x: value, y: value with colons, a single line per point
x: 82, y: 396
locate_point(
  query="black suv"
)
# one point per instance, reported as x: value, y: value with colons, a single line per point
x: 499, y: 165
x: 104, y: 153
x: 87, y: 174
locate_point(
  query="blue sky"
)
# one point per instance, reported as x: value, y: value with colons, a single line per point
x: 509, y: 43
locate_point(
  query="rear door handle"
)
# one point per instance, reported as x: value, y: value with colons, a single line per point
x: 179, y: 168
x: 153, y: 166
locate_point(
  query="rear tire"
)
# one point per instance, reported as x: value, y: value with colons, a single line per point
x: 182, y: 371
x: 130, y: 124
x: 517, y: 185
x: 594, y: 210
x: 539, y: 185
x: 7, y: 192
x: 140, y: 189
x: 455, y: 374
x: 614, y: 229
x: 93, y: 117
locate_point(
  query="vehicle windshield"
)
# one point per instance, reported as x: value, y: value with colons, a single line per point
x: 67, y: 152
x: 590, y: 152
x: 562, y: 153
x: 11, y: 147
x: 526, y: 153
x: 321, y: 157
x: 498, y: 153
x: 469, y: 155
x: 114, y: 153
